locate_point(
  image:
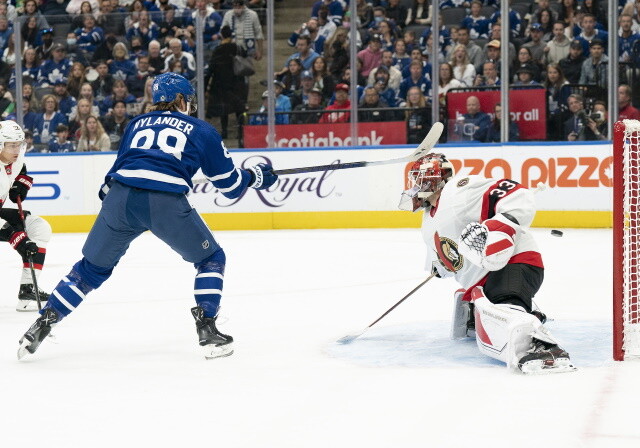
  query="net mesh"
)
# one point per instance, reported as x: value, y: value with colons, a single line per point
x: 631, y: 249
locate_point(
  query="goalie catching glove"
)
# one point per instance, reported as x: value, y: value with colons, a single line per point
x: 490, y: 244
x: 262, y: 176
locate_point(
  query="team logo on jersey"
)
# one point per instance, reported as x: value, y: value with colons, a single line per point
x: 463, y: 182
x: 448, y: 254
x: 205, y: 244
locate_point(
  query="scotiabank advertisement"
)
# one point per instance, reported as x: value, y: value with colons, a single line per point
x: 324, y: 135
x: 578, y: 177
x: 527, y: 109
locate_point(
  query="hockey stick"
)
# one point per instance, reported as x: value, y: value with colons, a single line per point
x: 30, y: 258
x: 350, y: 338
x: 427, y: 145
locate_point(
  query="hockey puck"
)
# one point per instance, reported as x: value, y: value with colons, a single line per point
x: 557, y: 233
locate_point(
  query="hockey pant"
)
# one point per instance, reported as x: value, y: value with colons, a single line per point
x: 128, y: 212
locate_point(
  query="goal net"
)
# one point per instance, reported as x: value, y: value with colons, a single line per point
x: 626, y: 240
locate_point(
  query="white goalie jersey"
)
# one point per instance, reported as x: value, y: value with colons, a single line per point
x: 467, y: 199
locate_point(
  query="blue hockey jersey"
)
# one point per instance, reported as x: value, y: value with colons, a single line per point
x: 162, y: 151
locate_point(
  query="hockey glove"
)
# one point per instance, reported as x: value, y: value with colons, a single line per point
x: 262, y: 176
x: 20, y: 188
x: 489, y: 245
x: 22, y: 244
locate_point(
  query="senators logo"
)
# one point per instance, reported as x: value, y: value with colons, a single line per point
x: 448, y: 253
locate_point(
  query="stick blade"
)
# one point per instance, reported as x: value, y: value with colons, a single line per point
x: 349, y: 338
x: 429, y: 141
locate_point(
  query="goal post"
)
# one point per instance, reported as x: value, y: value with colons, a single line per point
x: 626, y: 240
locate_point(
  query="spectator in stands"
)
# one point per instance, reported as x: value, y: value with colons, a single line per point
x: 515, y: 21
x: 397, y: 12
x: 494, y: 134
x: 134, y: 9
x: 55, y: 68
x: 104, y: 51
x: 227, y: 91
x: 92, y: 136
x: 381, y: 84
x: 419, y: 14
x: 335, y: 8
x: 28, y: 94
x: 301, y: 95
x: 371, y: 56
x: 245, y: 25
x: 5, y: 33
x: 596, y: 123
x: 156, y: 60
x: 170, y: 23
x: 120, y: 66
x: 322, y: 79
x: 30, y: 68
x: 626, y: 110
x: 416, y: 79
x: 282, y: 104
x: 187, y: 59
x: 589, y: 33
x: 7, y: 105
x: 387, y: 35
x: 135, y: 83
x: 47, y: 121
x: 89, y: 37
x: 76, y: 79
x: 212, y: 24
x: 496, y: 30
x: 111, y: 22
x: 546, y: 21
x: 525, y: 76
x: 137, y: 49
x: 574, y: 126
x: 567, y: 14
x: 326, y: 27
x: 594, y: 8
x: 145, y: 29
x: 525, y: 60
x: 61, y: 142
x: 8, y: 10
x: 463, y: 69
x: 476, y: 24
x: 369, y: 104
x: 473, y: 51
x: 336, y: 52
x: 572, y: 65
x: 77, y: 20
x: 558, y: 47
x: 418, y: 118
x: 416, y: 55
x: 44, y: 45
x: 147, y: 100
x: 557, y: 100
x: 82, y: 111
x: 310, y: 28
x: 28, y: 114
x: 594, y: 69
x: 401, y: 59
x: 395, y: 76
x: 447, y: 82
x: 536, y: 45
x: 115, y: 123
x: 365, y: 13
x: 341, y: 103
x: 119, y: 93
x: 475, y: 124
x: 305, y: 54
x: 65, y: 101
x: 86, y: 92
x: 31, y: 10
x: 291, y: 78
x: 489, y: 76
x: 31, y: 34
x: 626, y: 37
x: 314, y: 103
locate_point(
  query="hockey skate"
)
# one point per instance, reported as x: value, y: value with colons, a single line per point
x: 213, y: 343
x: 40, y: 329
x: 545, y: 357
x: 27, y: 298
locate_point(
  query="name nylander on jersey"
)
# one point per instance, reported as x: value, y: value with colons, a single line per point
x: 162, y: 151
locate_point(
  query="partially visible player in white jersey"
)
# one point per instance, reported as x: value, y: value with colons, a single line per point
x: 476, y: 229
x: 30, y: 241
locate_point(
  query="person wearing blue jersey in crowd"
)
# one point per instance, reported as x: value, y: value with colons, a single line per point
x: 146, y: 190
x: 55, y: 68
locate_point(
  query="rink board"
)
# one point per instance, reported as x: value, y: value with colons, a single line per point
x: 579, y: 192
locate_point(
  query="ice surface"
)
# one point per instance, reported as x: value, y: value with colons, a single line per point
x: 126, y: 371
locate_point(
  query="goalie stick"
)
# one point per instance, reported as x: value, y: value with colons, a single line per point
x: 350, y: 338
x: 29, y: 257
x: 424, y: 148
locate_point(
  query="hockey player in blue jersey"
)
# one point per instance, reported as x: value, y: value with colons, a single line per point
x: 145, y: 189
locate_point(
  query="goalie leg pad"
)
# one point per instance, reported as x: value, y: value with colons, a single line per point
x: 504, y: 331
x: 462, y: 325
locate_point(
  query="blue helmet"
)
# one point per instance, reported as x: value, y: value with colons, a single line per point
x: 167, y: 85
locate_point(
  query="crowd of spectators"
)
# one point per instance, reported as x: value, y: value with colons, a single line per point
x: 88, y: 65
x: 556, y: 45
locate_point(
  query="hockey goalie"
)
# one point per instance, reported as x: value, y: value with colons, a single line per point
x: 476, y: 229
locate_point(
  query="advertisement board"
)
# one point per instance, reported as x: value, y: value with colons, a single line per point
x: 325, y: 135
x: 527, y: 109
x: 578, y: 179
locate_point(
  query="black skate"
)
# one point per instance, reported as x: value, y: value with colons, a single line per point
x: 545, y: 357
x: 27, y: 298
x: 214, y: 343
x: 40, y: 329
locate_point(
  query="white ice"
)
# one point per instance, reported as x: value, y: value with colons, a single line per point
x: 125, y: 369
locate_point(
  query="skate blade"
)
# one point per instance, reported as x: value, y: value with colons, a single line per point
x: 538, y: 367
x: 213, y: 351
x: 22, y: 350
x: 27, y: 306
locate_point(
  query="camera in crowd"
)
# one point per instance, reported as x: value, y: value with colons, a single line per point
x: 595, y: 115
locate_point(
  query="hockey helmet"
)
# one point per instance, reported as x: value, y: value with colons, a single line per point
x: 166, y: 87
x: 426, y: 176
x: 10, y: 131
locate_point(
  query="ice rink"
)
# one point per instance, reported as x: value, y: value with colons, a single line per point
x: 125, y: 369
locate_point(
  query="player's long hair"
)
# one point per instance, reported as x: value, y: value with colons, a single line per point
x: 173, y: 106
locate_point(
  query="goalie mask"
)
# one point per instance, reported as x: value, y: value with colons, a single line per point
x: 426, y: 176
